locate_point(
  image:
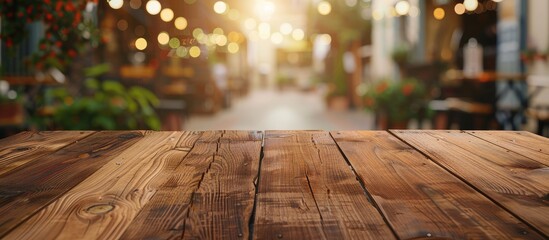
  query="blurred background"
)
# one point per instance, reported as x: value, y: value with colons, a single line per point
x: 274, y: 64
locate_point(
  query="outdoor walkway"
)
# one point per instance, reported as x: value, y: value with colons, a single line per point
x: 275, y: 110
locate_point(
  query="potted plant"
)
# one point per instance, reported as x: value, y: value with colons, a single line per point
x: 395, y: 102
x: 104, y: 105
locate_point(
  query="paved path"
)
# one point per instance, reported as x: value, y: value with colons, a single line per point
x: 274, y: 110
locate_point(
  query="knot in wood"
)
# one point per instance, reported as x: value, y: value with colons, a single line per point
x: 100, y: 208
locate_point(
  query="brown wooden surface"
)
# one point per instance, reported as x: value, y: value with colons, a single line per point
x: 25, y: 191
x: 25, y: 147
x: 421, y: 199
x: 307, y: 191
x: 525, y: 143
x: 401, y: 184
x: 518, y: 183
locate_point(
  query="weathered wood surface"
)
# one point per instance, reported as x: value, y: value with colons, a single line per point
x: 403, y: 184
x: 421, y: 199
x: 514, y: 181
x: 26, y: 147
x: 25, y: 191
x: 307, y: 191
x: 525, y: 143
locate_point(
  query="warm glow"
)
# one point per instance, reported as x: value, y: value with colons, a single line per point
x: 233, y: 14
x: 277, y: 38
x: 221, y: 40
x: 233, y: 47
x: 194, y: 51
x: 174, y: 43
x: 264, y: 30
x: 116, y: 4
x: 220, y: 7
x: 166, y: 14
x: 377, y: 15
x: 234, y: 37
x: 250, y: 23
x: 180, y: 23
x: 324, y: 8
x: 402, y: 7
x: 198, y: 33
x: 265, y: 8
x: 439, y: 13
x: 414, y: 11
x: 140, y: 44
x: 497, y: 0
x: 298, y: 34
x: 181, y: 51
x: 470, y: 5
x: 286, y: 28
x: 459, y: 9
x: 218, y: 31
x: 324, y: 39
x: 163, y: 38
x: 153, y: 7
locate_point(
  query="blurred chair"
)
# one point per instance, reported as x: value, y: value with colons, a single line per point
x: 538, y: 102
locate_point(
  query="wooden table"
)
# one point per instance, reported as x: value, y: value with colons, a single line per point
x: 401, y: 184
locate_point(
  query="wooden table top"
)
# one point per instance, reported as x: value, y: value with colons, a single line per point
x: 399, y: 184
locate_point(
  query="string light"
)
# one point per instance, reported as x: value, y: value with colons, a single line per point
x: 153, y: 7
x: 140, y: 44
x: 402, y: 8
x: 180, y: 23
x: 439, y: 13
x: 166, y: 14
x: 459, y: 9
x: 324, y: 8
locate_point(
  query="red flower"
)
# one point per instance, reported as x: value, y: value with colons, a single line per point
x: 382, y: 87
x: 49, y: 17
x: 9, y: 42
x: 42, y: 46
x: 71, y: 53
x: 407, y: 89
x: 58, y: 44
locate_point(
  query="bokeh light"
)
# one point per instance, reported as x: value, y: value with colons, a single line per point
x: 116, y: 4
x: 180, y: 23
x: 277, y: 38
x: 298, y: 34
x: 459, y: 9
x: 140, y: 44
x: 402, y: 7
x: 194, y: 51
x: 439, y: 13
x: 233, y: 47
x: 166, y: 14
x: 286, y: 28
x: 163, y: 38
x: 174, y: 42
x: 470, y: 5
x: 220, y: 7
x: 153, y: 7
x: 324, y: 8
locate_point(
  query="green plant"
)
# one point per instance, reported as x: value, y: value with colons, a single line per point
x: 398, y: 100
x: 400, y: 54
x: 106, y: 105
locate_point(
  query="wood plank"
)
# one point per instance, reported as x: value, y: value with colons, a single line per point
x: 164, y: 216
x: 419, y: 198
x: 26, y: 190
x: 524, y: 143
x: 215, y: 192
x: 28, y: 146
x: 221, y: 207
x: 519, y: 184
x: 103, y: 205
x: 308, y: 191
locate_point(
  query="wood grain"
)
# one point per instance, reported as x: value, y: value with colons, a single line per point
x: 221, y: 207
x: 308, y: 191
x: 26, y: 147
x: 103, y: 205
x: 518, y: 183
x: 26, y: 190
x: 420, y: 199
x: 524, y: 143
